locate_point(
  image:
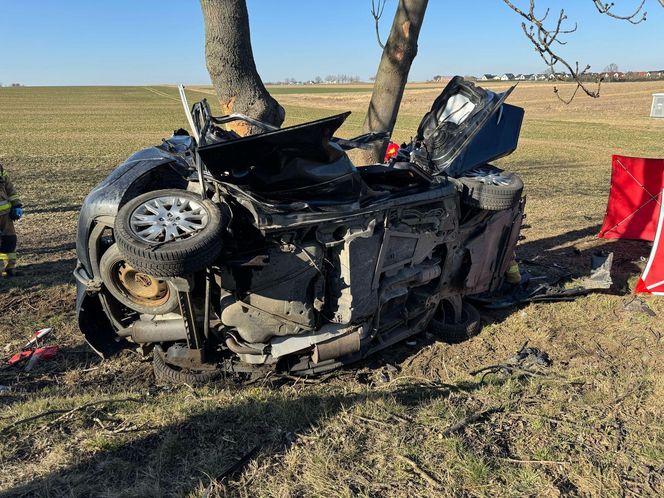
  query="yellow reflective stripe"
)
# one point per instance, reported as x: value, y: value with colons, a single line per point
x: 13, y: 197
x: 10, y: 256
x: 5, y: 205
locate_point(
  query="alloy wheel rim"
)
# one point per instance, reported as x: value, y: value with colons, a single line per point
x: 489, y: 177
x: 164, y: 219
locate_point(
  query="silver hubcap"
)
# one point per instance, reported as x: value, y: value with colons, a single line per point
x: 489, y: 177
x: 168, y: 218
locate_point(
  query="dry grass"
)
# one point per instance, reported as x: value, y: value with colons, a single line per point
x: 590, y: 425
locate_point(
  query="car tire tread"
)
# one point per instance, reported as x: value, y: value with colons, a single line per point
x: 165, y: 374
x: 454, y: 333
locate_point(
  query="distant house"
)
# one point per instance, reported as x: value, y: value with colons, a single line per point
x: 617, y: 76
x: 521, y: 77
x: 488, y: 77
x: 507, y: 77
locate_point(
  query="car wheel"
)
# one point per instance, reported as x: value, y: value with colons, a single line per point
x: 167, y: 374
x: 490, y: 188
x: 169, y: 233
x: 137, y: 290
x: 451, y: 331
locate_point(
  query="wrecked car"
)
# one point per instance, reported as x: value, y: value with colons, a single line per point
x: 274, y: 252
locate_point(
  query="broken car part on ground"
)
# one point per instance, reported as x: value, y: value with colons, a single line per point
x: 274, y: 252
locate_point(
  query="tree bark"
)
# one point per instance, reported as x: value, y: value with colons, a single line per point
x: 392, y: 76
x: 230, y: 62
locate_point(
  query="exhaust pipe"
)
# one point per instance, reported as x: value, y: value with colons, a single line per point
x: 337, y: 347
x: 144, y: 331
x: 237, y: 348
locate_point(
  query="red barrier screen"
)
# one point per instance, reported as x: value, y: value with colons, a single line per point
x: 634, y: 199
x: 652, y: 280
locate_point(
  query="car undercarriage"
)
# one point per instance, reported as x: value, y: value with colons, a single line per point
x: 274, y: 252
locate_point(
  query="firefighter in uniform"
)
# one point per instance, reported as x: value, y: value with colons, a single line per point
x: 10, y: 211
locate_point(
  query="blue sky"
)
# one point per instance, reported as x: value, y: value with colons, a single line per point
x: 76, y: 42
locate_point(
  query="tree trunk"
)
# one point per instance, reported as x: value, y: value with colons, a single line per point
x: 230, y: 62
x: 398, y: 54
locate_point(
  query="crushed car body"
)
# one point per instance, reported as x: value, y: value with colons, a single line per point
x: 274, y: 251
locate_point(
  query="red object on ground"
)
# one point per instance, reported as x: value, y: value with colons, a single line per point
x: 43, y: 353
x: 47, y: 352
x: 391, y: 151
x: 634, y: 202
x: 652, y: 280
x: 18, y: 357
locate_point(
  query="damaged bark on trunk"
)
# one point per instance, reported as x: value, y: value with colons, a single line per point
x: 230, y: 62
x: 398, y: 54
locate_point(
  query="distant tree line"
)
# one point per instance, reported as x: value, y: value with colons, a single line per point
x: 330, y: 78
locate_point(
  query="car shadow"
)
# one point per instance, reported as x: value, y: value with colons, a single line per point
x: 176, y: 459
x: 46, y: 274
x: 568, y: 256
x: 572, y: 251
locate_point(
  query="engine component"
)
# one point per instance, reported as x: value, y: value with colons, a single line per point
x: 279, y: 298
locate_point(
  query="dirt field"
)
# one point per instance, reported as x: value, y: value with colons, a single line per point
x: 590, y: 425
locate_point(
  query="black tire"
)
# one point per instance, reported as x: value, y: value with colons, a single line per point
x: 167, y: 374
x: 111, y: 265
x: 490, y: 188
x: 453, y: 333
x: 176, y: 257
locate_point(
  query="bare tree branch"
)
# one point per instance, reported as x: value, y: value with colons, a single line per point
x: 377, y: 13
x: 547, y: 36
x: 637, y: 17
x: 544, y: 39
